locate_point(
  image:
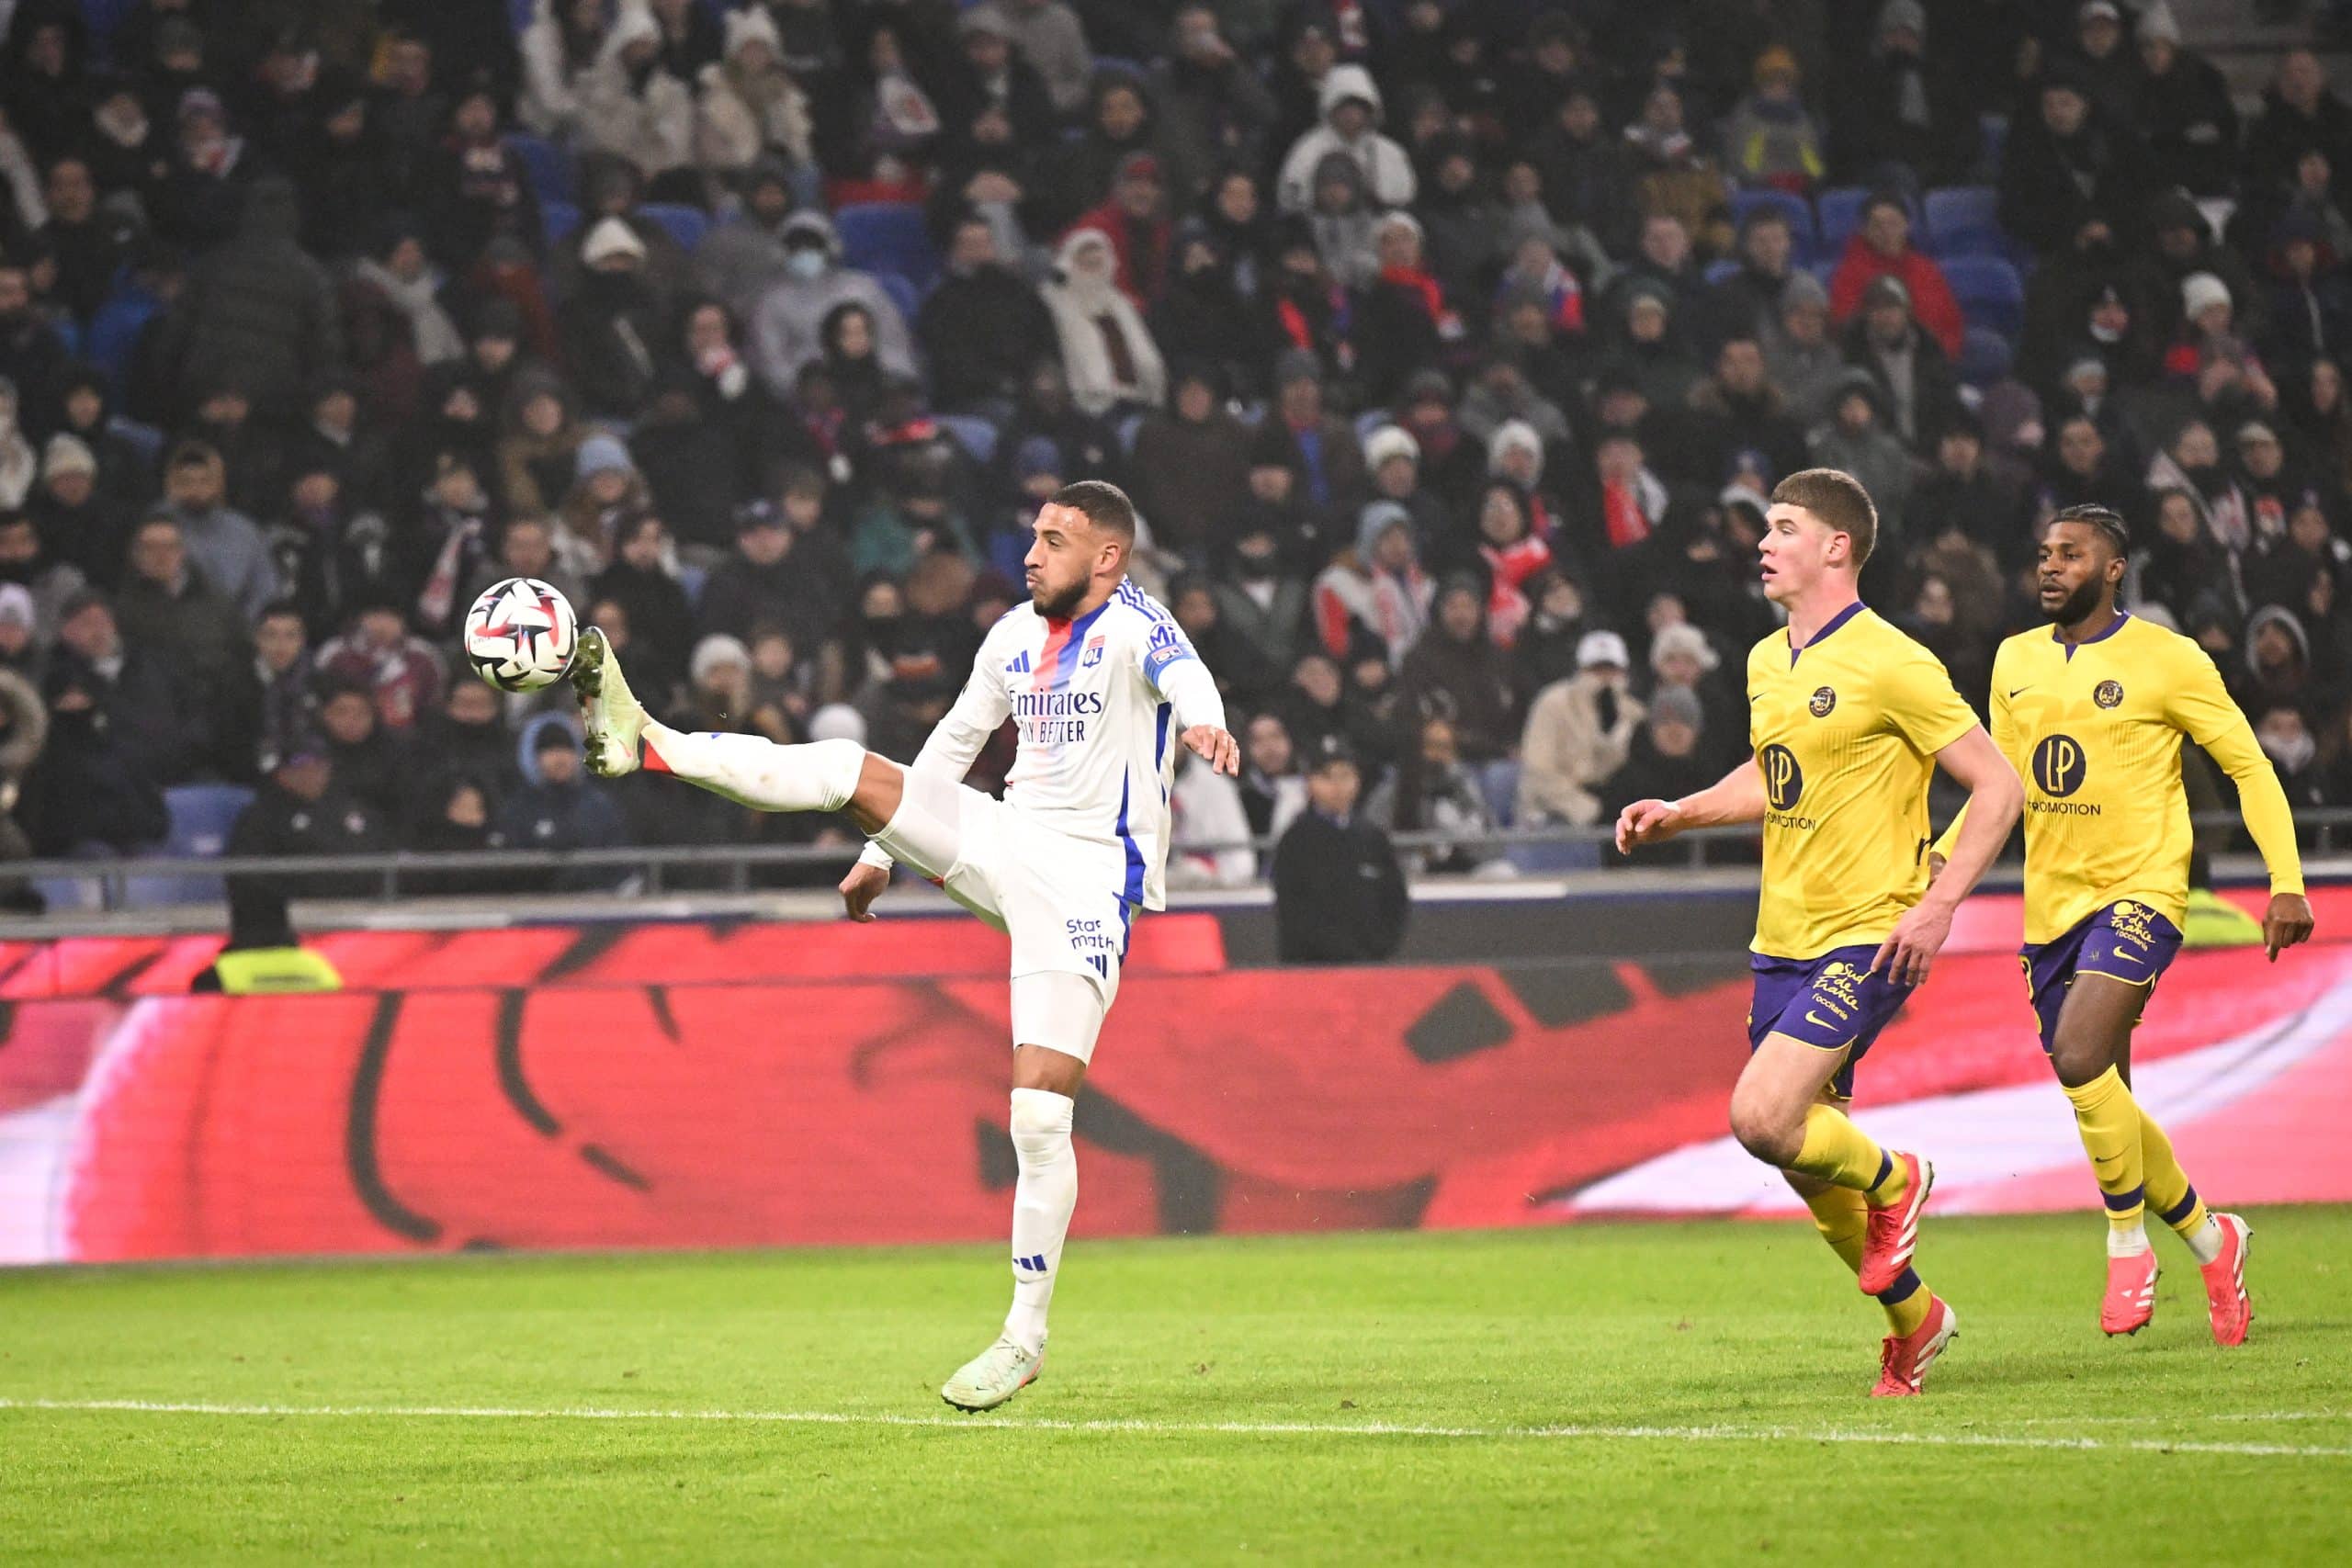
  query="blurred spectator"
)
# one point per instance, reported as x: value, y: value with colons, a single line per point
x: 758, y: 586
x: 1908, y: 109
x: 1208, y: 829
x: 1107, y: 353
x: 981, y: 326
x: 26, y: 560
x: 377, y: 654
x: 225, y: 543
x: 1192, y: 474
x: 2070, y: 177
x: 370, y: 762
x: 1050, y: 39
x: 1669, y: 758
x: 259, y: 308
x: 1431, y: 791
x: 1770, y: 138
x: 643, y: 580
x: 1272, y: 791
x: 789, y: 314
x: 1579, y: 731
x: 1350, y: 106
x: 613, y: 326
x: 1881, y: 248
x: 87, y: 792
x: 178, y: 613
x: 303, y: 809
x: 1455, y: 671
x: 1915, y: 380
x: 1338, y: 891
x: 2184, y: 109
x: 554, y: 809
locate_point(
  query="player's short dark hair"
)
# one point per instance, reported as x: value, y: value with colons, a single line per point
x: 1105, y: 505
x: 2105, y: 521
x: 1839, y: 500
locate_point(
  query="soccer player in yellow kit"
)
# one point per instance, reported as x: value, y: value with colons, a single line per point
x: 2092, y: 712
x: 1849, y: 719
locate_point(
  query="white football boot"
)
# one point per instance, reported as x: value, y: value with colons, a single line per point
x: 609, y: 711
x: 993, y: 1376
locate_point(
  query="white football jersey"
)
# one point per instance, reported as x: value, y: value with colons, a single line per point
x: 1099, y: 702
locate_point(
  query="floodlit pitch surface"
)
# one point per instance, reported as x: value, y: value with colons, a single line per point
x: 1662, y: 1394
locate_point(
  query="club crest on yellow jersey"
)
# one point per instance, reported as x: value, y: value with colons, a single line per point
x: 1824, y: 701
x: 2109, y: 695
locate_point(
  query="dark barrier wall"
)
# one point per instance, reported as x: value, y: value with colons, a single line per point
x: 720, y: 1084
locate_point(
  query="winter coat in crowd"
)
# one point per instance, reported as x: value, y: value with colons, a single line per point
x: 788, y: 322
x: 1388, y: 169
x: 1338, y: 891
x: 258, y: 311
x: 1107, y: 352
x: 1578, y: 733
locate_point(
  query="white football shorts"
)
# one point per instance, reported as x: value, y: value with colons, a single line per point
x: 1055, y: 895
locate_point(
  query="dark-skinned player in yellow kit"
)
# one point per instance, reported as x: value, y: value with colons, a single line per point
x: 2092, y: 712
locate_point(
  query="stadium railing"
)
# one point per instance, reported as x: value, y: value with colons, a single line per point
x: 653, y: 870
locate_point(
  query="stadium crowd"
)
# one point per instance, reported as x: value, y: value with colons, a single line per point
x: 1450, y: 348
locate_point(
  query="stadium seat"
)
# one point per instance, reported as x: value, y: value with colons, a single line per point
x: 1964, y: 220
x: 555, y: 176
x: 888, y: 236
x: 1841, y: 214
x: 976, y: 435
x: 1801, y: 224
x: 902, y: 294
x: 1990, y: 292
x: 559, y: 221
x: 1983, y: 356
x: 685, y: 224
x: 1719, y: 270
x: 201, y: 818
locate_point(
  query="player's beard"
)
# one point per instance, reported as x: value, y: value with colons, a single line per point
x: 1062, y: 606
x: 2081, y: 602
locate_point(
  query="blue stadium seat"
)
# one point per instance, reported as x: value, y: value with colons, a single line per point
x: 888, y: 236
x: 555, y: 175
x: 976, y: 435
x: 1990, y: 292
x: 1964, y: 221
x: 559, y: 221
x: 1841, y: 214
x: 1983, y: 356
x: 1105, y: 64
x: 1801, y: 224
x: 144, y: 439
x: 902, y: 294
x: 201, y: 818
x: 685, y: 224
x: 1719, y: 270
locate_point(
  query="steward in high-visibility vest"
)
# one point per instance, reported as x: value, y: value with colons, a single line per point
x: 270, y: 971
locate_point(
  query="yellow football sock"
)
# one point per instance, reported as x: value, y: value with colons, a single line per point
x: 2169, y: 1193
x: 1842, y: 1215
x: 1841, y: 1153
x: 2109, y: 1120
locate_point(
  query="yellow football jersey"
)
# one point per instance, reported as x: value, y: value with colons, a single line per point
x: 2095, y: 729
x: 1846, y: 731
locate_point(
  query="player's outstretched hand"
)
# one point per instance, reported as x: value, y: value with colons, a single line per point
x: 1647, y: 822
x: 1216, y: 747
x: 1918, y: 936
x: 2288, y: 921
x: 864, y: 884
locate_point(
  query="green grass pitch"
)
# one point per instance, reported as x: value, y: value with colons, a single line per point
x: 1660, y: 1393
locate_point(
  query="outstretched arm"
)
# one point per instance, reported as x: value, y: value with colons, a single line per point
x: 1739, y: 796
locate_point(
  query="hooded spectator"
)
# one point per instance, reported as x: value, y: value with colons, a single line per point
x: 1350, y: 108
x: 2069, y: 176
x: 259, y: 308
x: 787, y: 321
x: 632, y: 105
x: 1107, y: 352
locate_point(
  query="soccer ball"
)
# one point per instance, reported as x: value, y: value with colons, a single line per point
x: 520, y: 635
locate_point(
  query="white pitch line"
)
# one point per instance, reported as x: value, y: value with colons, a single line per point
x: 1195, y: 1429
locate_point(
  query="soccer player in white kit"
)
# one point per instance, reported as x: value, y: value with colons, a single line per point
x: 1102, y: 684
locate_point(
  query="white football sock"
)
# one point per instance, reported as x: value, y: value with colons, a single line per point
x: 2128, y: 1243
x: 752, y: 771
x: 2206, y: 1240
x: 1041, y: 1201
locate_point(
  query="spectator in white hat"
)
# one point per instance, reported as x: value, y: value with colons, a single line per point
x: 1579, y: 731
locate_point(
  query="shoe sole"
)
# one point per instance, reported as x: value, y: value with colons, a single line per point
x: 1918, y: 1203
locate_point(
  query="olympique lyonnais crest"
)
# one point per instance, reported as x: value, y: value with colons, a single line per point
x: 1094, y: 654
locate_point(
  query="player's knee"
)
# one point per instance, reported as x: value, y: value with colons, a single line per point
x: 2077, y: 1057
x: 1040, y: 1115
x: 1765, y: 1129
x: 838, y: 766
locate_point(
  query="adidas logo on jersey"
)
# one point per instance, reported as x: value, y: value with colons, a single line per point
x: 1019, y: 664
x: 1102, y: 963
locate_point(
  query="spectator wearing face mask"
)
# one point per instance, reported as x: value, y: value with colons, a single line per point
x: 788, y: 319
